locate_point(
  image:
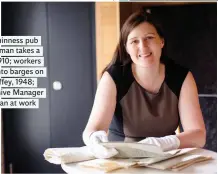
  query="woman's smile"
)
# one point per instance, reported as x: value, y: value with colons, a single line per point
x: 145, y: 55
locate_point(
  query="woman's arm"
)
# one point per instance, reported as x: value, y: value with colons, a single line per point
x: 194, y: 134
x: 103, y: 107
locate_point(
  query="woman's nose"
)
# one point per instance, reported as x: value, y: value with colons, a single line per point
x: 143, y: 44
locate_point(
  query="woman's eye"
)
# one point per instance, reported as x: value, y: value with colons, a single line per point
x: 134, y: 42
x: 149, y: 37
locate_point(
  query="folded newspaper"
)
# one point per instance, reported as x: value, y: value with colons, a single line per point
x: 126, y: 150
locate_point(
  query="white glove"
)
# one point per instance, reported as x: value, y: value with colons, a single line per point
x: 166, y: 143
x: 98, y: 137
x: 98, y: 150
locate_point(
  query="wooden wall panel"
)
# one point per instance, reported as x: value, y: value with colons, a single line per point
x: 107, y: 32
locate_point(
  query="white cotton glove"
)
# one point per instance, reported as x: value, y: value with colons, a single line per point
x: 166, y: 143
x: 98, y: 150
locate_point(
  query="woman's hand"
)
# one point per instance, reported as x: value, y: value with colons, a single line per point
x: 166, y: 143
x: 98, y: 150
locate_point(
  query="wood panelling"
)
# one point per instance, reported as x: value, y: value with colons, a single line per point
x: 107, y: 32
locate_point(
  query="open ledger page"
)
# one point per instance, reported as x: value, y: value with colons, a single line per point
x: 137, y: 150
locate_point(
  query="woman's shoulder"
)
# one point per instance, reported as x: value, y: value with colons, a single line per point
x: 173, y: 65
x: 175, y: 69
x: 175, y: 75
x: 118, y: 71
x: 122, y: 76
x: 114, y: 69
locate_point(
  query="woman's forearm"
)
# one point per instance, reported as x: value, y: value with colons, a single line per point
x: 192, y: 138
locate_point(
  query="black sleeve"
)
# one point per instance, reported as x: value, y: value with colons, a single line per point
x: 175, y: 76
x: 115, y: 72
x: 123, y: 78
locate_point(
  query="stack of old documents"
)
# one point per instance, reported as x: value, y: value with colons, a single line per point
x: 130, y: 155
x: 180, y: 160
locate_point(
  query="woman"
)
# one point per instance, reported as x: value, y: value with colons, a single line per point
x: 143, y: 95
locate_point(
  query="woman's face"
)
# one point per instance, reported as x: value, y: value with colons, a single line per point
x: 144, y: 45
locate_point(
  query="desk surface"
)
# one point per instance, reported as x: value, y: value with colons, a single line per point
x: 202, y: 167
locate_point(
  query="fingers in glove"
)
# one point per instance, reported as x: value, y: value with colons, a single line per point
x: 100, y: 151
x: 98, y: 137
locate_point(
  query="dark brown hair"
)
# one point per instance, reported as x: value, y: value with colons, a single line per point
x: 120, y: 55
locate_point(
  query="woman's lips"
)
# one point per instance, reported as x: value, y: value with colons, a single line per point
x: 145, y: 55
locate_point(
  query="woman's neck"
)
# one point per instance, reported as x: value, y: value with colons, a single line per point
x: 149, y: 77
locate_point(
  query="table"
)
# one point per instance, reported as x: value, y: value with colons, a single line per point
x: 202, y: 167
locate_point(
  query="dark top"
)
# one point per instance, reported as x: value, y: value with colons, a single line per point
x: 139, y: 113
